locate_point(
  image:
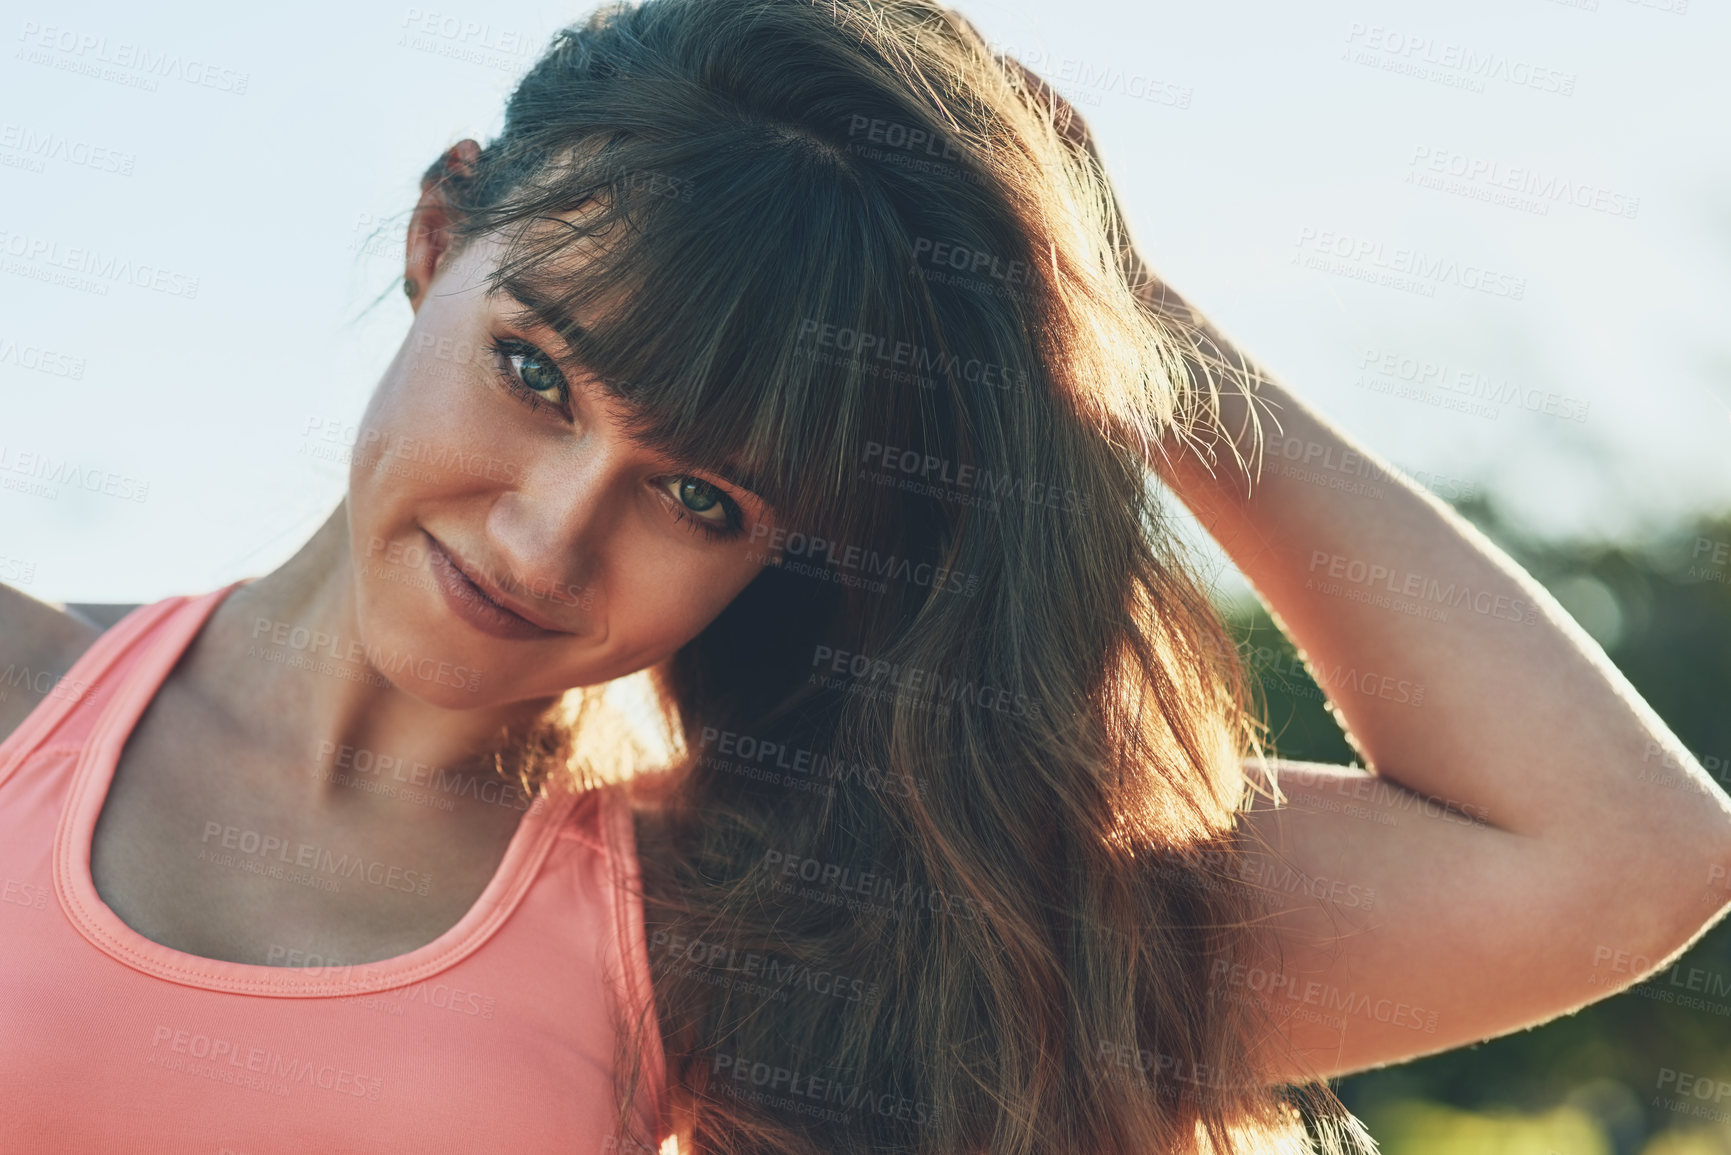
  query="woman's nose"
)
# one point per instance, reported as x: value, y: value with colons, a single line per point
x: 550, y: 527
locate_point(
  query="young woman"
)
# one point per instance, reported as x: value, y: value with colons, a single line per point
x: 794, y: 352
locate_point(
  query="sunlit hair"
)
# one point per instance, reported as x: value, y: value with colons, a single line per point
x: 1052, y: 718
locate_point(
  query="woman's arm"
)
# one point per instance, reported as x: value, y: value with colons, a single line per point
x: 1532, y: 836
x: 1529, y: 836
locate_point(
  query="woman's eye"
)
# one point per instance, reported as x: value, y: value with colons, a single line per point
x: 702, y: 498
x: 529, y: 374
x: 538, y: 372
x: 704, y: 505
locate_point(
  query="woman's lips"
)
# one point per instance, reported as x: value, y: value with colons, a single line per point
x: 469, y: 601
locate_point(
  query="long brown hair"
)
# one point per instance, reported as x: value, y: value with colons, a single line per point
x: 947, y: 850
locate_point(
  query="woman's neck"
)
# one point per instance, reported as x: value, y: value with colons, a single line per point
x: 274, y: 663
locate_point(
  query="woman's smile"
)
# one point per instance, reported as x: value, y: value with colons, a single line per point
x: 473, y: 598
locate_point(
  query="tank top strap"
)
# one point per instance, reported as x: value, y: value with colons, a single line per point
x: 637, y: 995
x: 93, y: 679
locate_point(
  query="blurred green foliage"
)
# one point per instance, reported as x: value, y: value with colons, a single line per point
x: 1588, y: 1083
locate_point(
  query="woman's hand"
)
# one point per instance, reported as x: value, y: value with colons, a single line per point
x: 1073, y: 130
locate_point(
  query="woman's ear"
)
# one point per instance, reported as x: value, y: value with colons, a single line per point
x: 430, y: 225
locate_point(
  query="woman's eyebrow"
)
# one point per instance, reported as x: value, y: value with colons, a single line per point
x: 574, y: 335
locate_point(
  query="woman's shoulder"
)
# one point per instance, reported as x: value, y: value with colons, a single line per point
x: 32, y: 630
x: 39, y: 642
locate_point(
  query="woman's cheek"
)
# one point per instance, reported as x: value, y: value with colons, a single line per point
x: 685, y: 594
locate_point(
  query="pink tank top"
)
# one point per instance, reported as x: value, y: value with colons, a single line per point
x: 498, y: 1036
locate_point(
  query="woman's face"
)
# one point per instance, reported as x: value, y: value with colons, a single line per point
x: 484, y: 444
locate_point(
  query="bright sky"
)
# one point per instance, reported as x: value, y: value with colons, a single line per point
x: 188, y: 191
